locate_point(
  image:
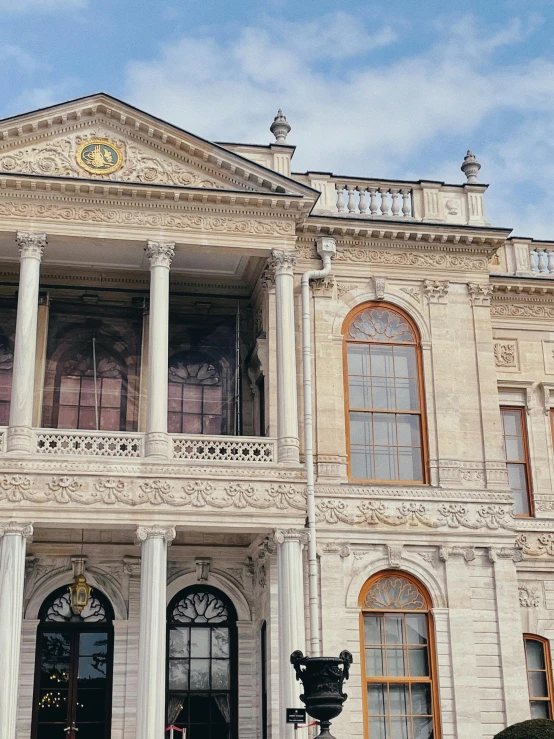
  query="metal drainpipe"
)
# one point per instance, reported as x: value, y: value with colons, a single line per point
x: 326, y: 248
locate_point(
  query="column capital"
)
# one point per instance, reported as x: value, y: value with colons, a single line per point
x: 31, y: 245
x: 283, y: 535
x: 283, y: 262
x: 16, y: 527
x: 155, y: 532
x: 160, y: 253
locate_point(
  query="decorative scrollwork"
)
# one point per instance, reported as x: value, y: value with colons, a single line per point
x: 395, y: 593
x: 60, y: 611
x: 200, y: 608
x: 383, y: 325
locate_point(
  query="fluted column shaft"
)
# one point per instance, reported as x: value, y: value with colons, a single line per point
x: 31, y: 247
x: 152, y: 630
x: 287, y: 404
x: 160, y: 256
x: 13, y: 537
x: 292, y: 629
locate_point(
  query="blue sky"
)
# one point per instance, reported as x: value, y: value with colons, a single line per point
x: 398, y: 89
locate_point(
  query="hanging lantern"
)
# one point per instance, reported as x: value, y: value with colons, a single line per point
x: 80, y: 594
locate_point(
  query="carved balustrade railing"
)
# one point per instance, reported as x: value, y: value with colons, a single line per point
x: 3, y: 436
x: 396, y: 200
x: 374, y: 199
x: 525, y: 258
x: 224, y: 448
x: 541, y: 260
x: 242, y: 449
x: 87, y: 443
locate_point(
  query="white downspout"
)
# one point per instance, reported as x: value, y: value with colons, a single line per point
x: 326, y: 248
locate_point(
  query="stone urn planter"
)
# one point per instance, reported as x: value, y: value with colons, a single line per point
x: 322, y: 678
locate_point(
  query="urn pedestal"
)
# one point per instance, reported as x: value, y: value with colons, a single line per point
x: 322, y: 678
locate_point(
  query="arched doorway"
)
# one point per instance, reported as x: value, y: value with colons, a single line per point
x: 73, y: 672
x: 202, y: 663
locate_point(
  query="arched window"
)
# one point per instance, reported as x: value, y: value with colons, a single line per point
x: 398, y: 663
x: 384, y: 396
x: 539, y: 675
x: 202, y: 663
x: 73, y: 673
x: 105, y: 344
x: 7, y: 336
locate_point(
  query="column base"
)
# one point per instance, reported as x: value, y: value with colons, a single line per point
x: 156, y: 444
x: 288, y: 451
x: 19, y: 439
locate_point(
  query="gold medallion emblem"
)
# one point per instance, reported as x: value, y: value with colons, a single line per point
x: 99, y: 156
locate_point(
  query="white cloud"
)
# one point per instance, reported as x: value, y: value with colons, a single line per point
x: 23, y: 6
x: 354, y: 114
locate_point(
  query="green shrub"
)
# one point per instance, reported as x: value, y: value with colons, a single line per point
x: 537, y: 728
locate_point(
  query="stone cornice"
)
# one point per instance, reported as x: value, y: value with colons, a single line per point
x: 106, y: 192
x: 358, y: 233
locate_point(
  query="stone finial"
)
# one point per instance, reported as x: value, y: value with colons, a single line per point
x: 280, y: 128
x: 470, y: 166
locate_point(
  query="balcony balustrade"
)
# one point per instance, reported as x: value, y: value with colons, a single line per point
x: 525, y: 258
x: 190, y: 448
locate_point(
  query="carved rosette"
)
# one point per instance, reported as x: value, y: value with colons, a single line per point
x: 31, y: 245
x: 283, y: 262
x: 160, y: 253
x: 157, y: 532
x: 16, y: 528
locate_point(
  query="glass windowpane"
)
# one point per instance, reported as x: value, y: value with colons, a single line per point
x: 178, y: 674
x: 535, y: 654
x: 383, y: 393
x: 421, y: 699
x: 514, y: 449
x: 540, y: 709
x: 399, y: 698
x: 358, y: 359
x: 512, y: 423
x: 220, y: 674
x: 200, y: 643
x: 384, y: 425
x: 418, y: 662
x: 179, y: 642
x: 423, y: 728
x: 386, y: 463
x: 361, y: 430
x: 199, y: 674
x: 362, y: 463
x: 394, y: 628
x: 382, y: 364
x: 538, y: 687
x: 407, y: 394
x: 396, y: 662
x: 377, y: 699
x: 416, y: 628
x: 521, y: 502
x: 409, y: 463
x: 359, y: 389
x: 374, y: 662
x: 373, y: 629
x: 405, y: 364
x: 377, y: 728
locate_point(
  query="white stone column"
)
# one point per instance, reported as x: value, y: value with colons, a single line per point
x: 152, y: 630
x: 31, y: 247
x: 292, y: 627
x: 12, y: 575
x: 160, y: 255
x: 287, y: 404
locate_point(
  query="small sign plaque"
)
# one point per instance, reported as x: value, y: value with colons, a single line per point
x: 296, y: 715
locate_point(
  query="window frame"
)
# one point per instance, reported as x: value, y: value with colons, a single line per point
x: 420, y: 386
x: 432, y: 679
x: 231, y: 625
x: 548, y: 669
x: 74, y: 629
x: 527, y: 459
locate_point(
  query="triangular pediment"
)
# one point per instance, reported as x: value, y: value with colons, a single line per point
x: 104, y: 139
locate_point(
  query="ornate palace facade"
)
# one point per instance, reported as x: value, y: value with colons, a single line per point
x: 246, y: 411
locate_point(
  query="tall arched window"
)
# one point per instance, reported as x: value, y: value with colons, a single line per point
x: 398, y: 663
x: 384, y: 396
x: 73, y: 673
x: 202, y: 663
x: 539, y: 675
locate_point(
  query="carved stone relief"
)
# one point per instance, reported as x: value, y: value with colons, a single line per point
x: 57, y: 157
x: 505, y: 354
x: 529, y: 595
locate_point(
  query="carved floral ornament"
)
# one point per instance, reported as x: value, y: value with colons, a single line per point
x: 155, y: 492
x: 394, y: 593
x: 169, y: 218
